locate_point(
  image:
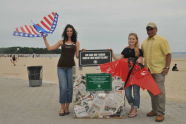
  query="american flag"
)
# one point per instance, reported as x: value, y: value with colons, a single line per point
x: 47, y: 25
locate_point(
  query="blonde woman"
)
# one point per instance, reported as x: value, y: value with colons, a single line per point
x: 132, y: 51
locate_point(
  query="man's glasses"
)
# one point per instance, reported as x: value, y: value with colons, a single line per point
x: 149, y: 28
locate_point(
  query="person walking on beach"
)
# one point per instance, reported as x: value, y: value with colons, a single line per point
x: 157, y: 57
x: 132, y: 51
x: 13, y: 60
x: 69, y: 48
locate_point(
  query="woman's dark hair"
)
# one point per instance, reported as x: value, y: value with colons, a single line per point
x: 74, y: 35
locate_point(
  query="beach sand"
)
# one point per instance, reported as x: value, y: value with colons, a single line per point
x: 22, y: 104
x: 175, y: 81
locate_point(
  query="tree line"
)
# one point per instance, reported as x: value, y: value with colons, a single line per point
x: 27, y: 50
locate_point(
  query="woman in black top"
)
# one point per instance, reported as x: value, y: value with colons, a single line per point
x: 69, y: 48
x: 132, y: 51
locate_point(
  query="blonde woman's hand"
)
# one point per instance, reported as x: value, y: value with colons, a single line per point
x: 140, y: 60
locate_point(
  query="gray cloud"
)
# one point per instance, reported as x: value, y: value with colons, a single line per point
x: 100, y: 23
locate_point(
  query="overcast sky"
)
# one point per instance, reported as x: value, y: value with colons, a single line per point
x: 100, y: 23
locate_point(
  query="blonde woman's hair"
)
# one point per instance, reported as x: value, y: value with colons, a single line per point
x: 136, y: 47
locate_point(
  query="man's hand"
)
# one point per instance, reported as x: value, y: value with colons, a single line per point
x: 165, y: 71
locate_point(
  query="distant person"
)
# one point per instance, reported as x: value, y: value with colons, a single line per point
x: 13, y: 60
x: 175, y: 68
x: 157, y: 57
x: 69, y: 48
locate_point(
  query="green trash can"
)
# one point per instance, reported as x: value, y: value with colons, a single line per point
x: 35, y: 74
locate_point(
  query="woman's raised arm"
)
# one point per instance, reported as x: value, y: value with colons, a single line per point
x: 52, y: 47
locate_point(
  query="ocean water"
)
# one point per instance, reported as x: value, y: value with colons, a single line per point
x: 179, y: 55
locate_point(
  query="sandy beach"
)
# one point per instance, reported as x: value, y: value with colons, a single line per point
x: 175, y: 81
x: 38, y: 105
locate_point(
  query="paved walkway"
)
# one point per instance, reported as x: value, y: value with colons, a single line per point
x: 20, y: 104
